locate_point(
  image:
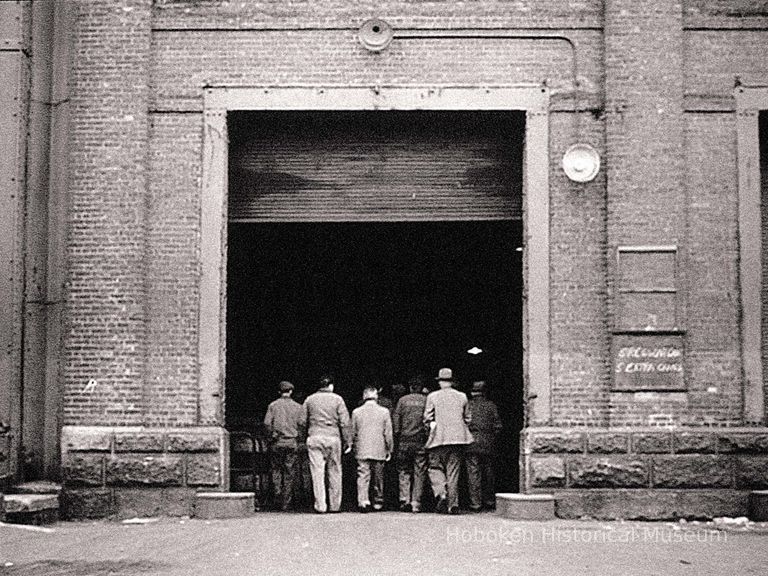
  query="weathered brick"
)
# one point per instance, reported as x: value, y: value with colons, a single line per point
x: 564, y: 441
x: 607, y: 443
x: 178, y: 501
x: 743, y: 442
x: 83, y: 469
x: 607, y: 472
x: 547, y: 471
x: 651, y: 443
x: 193, y: 442
x: 610, y: 504
x: 695, y: 442
x: 86, y: 439
x: 692, y: 471
x: 752, y: 472
x: 87, y: 503
x: 138, y: 502
x: 203, y: 469
x: 139, y: 442
x: 144, y: 470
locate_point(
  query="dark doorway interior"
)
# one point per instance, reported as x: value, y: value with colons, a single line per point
x: 375, y: 303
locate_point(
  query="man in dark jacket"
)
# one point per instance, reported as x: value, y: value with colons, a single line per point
x: 410, y: 436
x: 447, y: 414
x: 326, y: 421
x: 479, y: 459
x: 282, y: 423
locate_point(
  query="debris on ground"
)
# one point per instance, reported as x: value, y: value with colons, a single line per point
x: 140, y: 520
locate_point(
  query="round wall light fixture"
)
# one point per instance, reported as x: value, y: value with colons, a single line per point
x: 375, y: 34
x: 581, y: 163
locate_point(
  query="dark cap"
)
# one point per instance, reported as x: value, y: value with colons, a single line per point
x: 478, y: 387
x: 285, y: 386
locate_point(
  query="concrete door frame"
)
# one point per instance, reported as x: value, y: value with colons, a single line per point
x: 749, y: 102
x: 531, y: 99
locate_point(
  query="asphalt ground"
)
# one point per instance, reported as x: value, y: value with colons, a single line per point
x: 380, y: 543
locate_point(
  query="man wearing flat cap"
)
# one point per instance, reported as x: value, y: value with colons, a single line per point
x: 447, y: 414
x: 485, y: 428
x: 282, y: 423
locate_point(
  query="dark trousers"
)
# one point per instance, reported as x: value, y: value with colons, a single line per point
x: 481, y: 479
x: 444, y: 469
x: 283, y: 469
x: 411, y: 473
x: 370, y: 478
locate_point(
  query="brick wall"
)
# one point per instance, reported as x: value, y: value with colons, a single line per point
x: 105, y: 343
x: 655, y: 86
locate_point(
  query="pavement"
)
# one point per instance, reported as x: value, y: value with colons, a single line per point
x: 381, y: 543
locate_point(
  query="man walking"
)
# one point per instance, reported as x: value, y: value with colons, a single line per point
x: 410, y: 436
x: 447, y: 414
x: 326, y: 421
x: 485, y: 428
x: 372, y: 441
x: 282, y: 423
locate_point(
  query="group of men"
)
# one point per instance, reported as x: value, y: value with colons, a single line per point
x: 429, y: 436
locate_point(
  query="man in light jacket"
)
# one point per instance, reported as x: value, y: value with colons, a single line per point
x: 326, y: 421
x: 448, y: 415
x: 372, y: 442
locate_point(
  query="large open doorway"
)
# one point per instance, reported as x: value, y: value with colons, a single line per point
x: 375, y: 246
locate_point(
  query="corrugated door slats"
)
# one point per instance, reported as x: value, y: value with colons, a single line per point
x: 383, y: 166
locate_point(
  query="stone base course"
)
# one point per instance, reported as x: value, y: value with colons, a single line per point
x: 134, y: 471
x: 646, y: 473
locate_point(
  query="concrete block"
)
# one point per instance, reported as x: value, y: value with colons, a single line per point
x: 607, y: 472
x: 525, y: 506
x: 612, y: 504
x: 145, y: 470
x: 701, y: 504
x: 15, y: 503
x: 209, y: 505
x: 84, y: 469
x: 695, y: 442
x: 743, y: 442
x: 138, y: 502
x: 87, y: 503
x: 752, y: 471
x: 203, y: 469
x: 178, y: 501
x: 564, y: 441
x: 38, y: 487
x: 139, y: 442
x: 547, y: 471
x: 607, y: 443
x: 692, y: 471
x: 758, y: 505
x: 31, y: 508
x: 652, y: 443
x: 86, y: 439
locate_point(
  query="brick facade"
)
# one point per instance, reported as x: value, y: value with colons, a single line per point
x: 649, y: 84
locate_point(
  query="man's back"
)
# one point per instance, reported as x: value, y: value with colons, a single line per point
x: 408, y: 419
x: 371, y: 431
x: 485, y: 424
x: 449, y: 410
x: 283, y: 418
x: 325, y: 414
